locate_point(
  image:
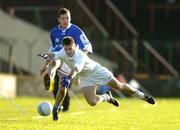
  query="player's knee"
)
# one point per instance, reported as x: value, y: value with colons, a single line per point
x: 92, y: 102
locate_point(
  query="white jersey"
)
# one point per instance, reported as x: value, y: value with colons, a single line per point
x: 80, y: 60
x: 90, y: 72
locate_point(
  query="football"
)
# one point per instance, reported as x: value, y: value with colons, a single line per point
x: 44, y: 108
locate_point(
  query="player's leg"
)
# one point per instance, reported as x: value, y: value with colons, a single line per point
x: 90, y: 95
x: 124, y: 87
x: 64, y: 70
x: 93, y: 99
x: 56, y: 85
x: 66, y: 101
x: 62, y: 91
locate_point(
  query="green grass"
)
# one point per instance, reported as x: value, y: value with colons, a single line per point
x: 133, y: 114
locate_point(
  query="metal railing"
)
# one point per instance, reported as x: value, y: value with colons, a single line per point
x: 161, y: 59
x: 6, y: 56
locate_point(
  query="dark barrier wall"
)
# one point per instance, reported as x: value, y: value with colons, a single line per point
x: 33, y: 86
x: 162, y: 88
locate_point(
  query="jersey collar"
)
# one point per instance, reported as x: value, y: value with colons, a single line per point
x: 65, y: 28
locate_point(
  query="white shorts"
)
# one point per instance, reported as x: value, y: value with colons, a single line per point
x: 98, y: 76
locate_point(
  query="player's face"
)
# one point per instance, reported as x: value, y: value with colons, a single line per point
x: 64, y: 20
x: 70, y: 49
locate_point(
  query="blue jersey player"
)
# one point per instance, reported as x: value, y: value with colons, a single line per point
x: 57, y: 33
x: 65, y: 28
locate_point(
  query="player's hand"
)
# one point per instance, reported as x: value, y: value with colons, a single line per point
x: 65, y: 82
x: 47, y: 56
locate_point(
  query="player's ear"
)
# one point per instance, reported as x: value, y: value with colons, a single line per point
x: 70, y: 18
x: 58, y: 19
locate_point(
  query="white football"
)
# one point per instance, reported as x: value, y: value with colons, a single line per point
x: 44, y: 108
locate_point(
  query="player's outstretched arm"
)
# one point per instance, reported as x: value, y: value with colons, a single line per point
x: 49, y: 57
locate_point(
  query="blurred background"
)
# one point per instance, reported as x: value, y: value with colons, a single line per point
x: 136, y: 39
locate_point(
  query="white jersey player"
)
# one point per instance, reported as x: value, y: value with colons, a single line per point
x: 91, y: 74
x: 89, y: 71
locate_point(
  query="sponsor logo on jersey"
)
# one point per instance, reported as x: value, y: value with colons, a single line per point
x: 57, y: 40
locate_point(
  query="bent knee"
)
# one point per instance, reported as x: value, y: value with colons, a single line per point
x: 92, y: 102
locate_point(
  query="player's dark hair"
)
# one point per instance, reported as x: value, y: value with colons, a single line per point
x: 67, y: 41
x: 62, y: 11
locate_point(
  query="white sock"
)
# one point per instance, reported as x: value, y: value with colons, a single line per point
x: 139, y: 94
x: 104, y: 97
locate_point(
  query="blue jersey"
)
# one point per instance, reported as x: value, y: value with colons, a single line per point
x: 57, y: 34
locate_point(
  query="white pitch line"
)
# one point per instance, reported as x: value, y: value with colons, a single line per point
x: 113, y: 109
x: 12, y: 119
x: 77, y: 113
x: 37, y: 117
x: 16, y: 106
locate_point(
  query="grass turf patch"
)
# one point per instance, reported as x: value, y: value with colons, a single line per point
x: 133, y: 114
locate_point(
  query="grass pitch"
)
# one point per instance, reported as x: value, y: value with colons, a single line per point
x: 133, y: 114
